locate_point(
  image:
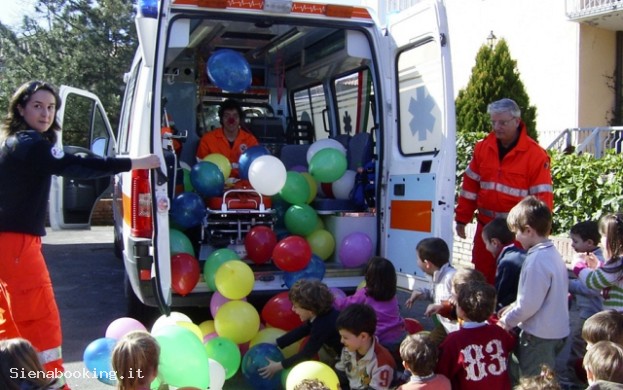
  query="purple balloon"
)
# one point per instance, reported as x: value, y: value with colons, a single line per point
x: 298, y: 168
x: 355, y: 250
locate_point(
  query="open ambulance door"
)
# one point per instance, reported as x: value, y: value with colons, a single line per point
x: 85, y: 131
x: 421, y: 147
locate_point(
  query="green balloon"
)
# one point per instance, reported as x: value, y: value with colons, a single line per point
x: 183, y: 358
x: 179, y: 243
x: 301, y: 219
x: 327, y: 165
x: 213, y: 262
x: 296, y: 190
x: 322, y: 243
x: 226, y: 352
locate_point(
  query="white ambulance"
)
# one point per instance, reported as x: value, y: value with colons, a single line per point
x: 318, y: 71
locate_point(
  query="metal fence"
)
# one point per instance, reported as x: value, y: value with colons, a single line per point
x: 575, y: 8
x: 595, y: 141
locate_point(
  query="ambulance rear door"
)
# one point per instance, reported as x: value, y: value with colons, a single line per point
x: 85, y: 131
x: 420, y: 147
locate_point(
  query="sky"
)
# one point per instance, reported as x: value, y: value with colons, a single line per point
x: 13, y: 10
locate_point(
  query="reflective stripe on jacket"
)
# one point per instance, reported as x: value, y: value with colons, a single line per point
x: 493, y: 187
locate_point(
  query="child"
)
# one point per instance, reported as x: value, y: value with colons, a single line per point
x: 609, y: 277
x: 546, y: 380
x: 20, y: 368
x: 585, y: 239
x: 311, y: 384
x: 364, y: 363
x: 313, y: 302
x: 135, y: 360
x: 604, y: 365
x: 419, y: 357
x: 500, y: 242
x: 433, y: 257
x: 380, y: 293
x: 606, y: 325
x: 475, y: 356
x: 541, y: 309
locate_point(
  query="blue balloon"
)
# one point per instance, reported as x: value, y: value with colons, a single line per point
x: 187, y: 210
x: 229, y: 70
x: 254, y: 359
x: 97, y: 359
x: 246, y: 158
x: 207, y: 178
x: 314, y: 270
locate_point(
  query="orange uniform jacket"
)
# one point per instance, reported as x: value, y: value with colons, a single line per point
x: 492, y: 187
x: 215, y: 142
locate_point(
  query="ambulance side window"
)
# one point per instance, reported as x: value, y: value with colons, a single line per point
x: 126, y: 111
x: 309, y: 104
x: 354, y: 96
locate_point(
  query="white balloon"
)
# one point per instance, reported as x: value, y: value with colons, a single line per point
x: 267, y: 175
x: 343, y: 186
x: 217, y: 375
x: 173, y: 319
x: 323, y: 144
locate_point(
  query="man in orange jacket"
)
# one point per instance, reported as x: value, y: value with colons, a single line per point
x: 230, y: 140
x: 507, y: 166
x: 8, y: 329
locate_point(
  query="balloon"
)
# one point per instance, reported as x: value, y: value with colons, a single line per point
x: 292, y: 254
x: 234, y: 279
x: 226, y: 352
x: 249, y: 155
x: 312, y: 370
x: 313, y: 186
x: 188, y: 185
x: 413, y: 326
x: 355, y: 250
x: 179, y: 243
x: 238, y: 321
x: 217, y: 375
x: 213, y: 262
x: 221, y: 162
x: 270, y: 336
x: 301, y: 219
x: 321, y: 242
x: 97, y: 359
x: 259, y: 243
x: 337, y: 293
x: 229, y: 70
x: 192, y: 327
x: 171, y: 319
x: 296, y: 190
x: 267, y: 175
x: 314, y: 270
x: 209, y: 336
x: 277, y: 312
x: 184, y: 273
x: 327, y: 165
x: 122, y: 326
x: 343, y: 186
x: 207, y: 179
x: 207, y: 326
x: 299, y: 168
x: 187, y: 210
x: 183, y: 359
x: 256, y: 358
x: 326, y: 143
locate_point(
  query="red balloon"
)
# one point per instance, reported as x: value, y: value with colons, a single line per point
x: 259, y: 243
x: 184, y: 273
x: 292, y: 254
x: 413, y: 326
x: 277, y: 312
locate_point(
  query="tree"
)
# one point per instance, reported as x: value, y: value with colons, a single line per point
x: 87, y: 44
x: 495, y: 76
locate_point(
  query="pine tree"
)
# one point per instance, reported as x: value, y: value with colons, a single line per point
x: 494, y: 77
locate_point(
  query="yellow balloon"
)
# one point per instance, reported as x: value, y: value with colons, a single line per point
x: 238, y: 321
x: 221, y: 162
x: 192, y: 327
x: 234, y: 279
x: 361, y: 285
x: 319, y: 224
x: 312, y: 369
x: 313, y: 186
x: 322, y: 243
x: 207, y: 327
x: 270, y: 336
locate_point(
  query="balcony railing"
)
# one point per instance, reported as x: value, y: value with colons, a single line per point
x: 583, y: 8
x: 595, y: 141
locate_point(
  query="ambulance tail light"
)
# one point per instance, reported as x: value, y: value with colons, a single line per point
x: 141, y: 204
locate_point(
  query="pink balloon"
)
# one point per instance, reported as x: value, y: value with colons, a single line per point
x: 355, y: 250
x: 217, y: 301
x: 209, y: 337
x: 337, y: 293
x: 122, y: 326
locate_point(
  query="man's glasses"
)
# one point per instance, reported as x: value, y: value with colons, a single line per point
x: 501, y: 122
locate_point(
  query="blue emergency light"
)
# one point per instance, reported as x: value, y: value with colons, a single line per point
x: 148, y: 8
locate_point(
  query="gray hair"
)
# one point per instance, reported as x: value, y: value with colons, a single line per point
x: 504, y: 105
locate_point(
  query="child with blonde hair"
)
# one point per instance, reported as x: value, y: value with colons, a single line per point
x: 546, y: 380
x: 135, y: 361
x: 20, y: 367
x: 604, y: 366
